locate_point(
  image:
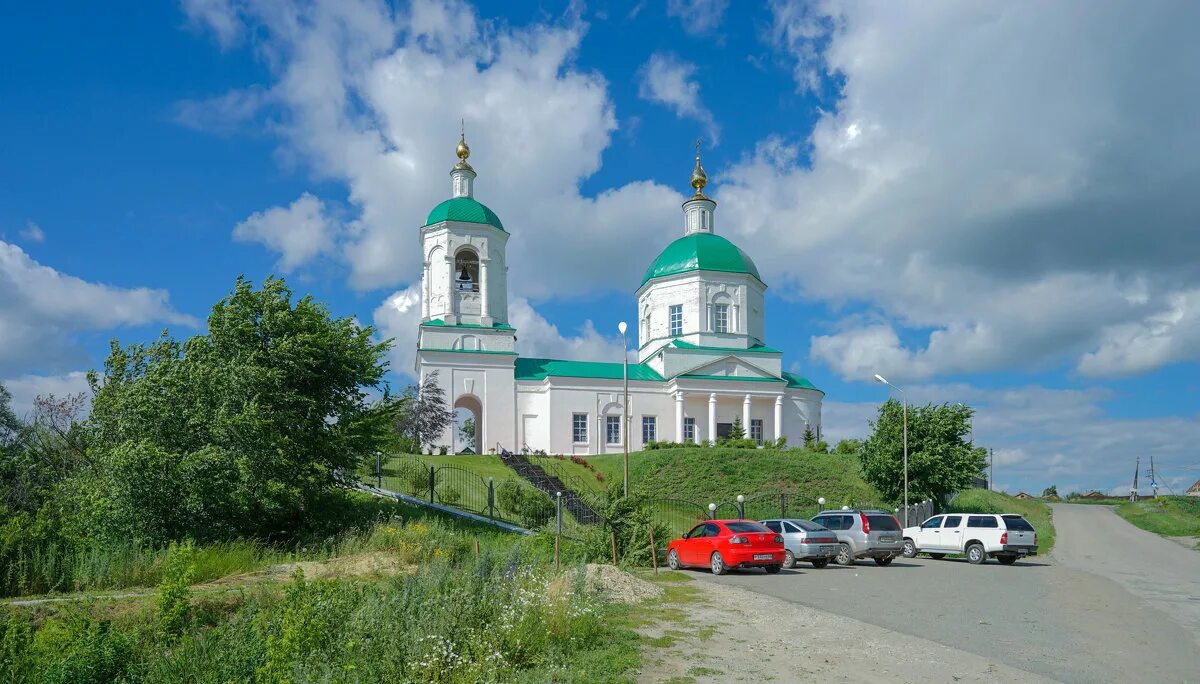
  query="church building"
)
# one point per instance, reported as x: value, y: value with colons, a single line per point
x: 701, y: 363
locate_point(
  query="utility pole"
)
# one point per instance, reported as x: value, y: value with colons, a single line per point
x: 1137, y: 466
x: 992, y: 467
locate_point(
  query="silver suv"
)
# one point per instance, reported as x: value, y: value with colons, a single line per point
x: 863, y: 534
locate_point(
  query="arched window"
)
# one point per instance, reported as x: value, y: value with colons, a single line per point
x: 722, y: 314
x: 466, y: 271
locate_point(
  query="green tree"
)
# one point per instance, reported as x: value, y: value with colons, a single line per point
x: 466, y: 432
x: 848, y: 447
x: 1050, y: 492
x: 422, y: 414
x: 940, y: 459
x: 737, y: 431
x: 236, y: 432
x: 810, y: 437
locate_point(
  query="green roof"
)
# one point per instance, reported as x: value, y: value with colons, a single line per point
x: 439, y: 323
x: 751, y: 378
x: 701, y: 252
x: 754, y: 349
x: 798, y: 382
x: 466, y: 209
x: 540, y: 369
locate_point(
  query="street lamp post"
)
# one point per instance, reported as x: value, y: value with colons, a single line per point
x: 625, y: 404
x: 903, y: 398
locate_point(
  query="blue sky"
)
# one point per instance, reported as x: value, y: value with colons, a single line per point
x: 1011, y: 227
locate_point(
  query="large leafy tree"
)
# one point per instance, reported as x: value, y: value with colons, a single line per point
x: 237, y: 431
x: 940, y: 459
x: 422, y: 414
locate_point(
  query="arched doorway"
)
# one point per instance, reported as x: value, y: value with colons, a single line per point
x: 468, y: 425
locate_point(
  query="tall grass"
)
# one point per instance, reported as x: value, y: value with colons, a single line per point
x: 1177, y: 516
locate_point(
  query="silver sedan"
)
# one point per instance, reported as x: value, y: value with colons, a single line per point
x: 805, y: 540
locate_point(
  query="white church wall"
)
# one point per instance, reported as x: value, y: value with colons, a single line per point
x: 487, y: 377
x: 801, y: 408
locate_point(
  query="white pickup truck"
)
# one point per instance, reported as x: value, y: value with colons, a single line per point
x: 1006, y: 537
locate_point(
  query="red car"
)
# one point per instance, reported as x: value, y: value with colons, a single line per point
x: 725, y: 544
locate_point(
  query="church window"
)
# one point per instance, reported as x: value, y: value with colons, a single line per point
x: 466, y: 271
x: 579, y: 425
x: 649, y: 429
x: 612, y: 426
x: 676, y: 320
x: 721, y: 318
x: 756, y: 430
x: 689, y: 430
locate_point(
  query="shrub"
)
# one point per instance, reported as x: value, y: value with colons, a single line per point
x: 527, y: 504
x: 175, y: 590
x: 448, y: 494
x: 599, y: 476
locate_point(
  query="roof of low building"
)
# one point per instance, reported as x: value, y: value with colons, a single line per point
x: 465, y: 209
x: 540, y: 369
x: 701, y: 252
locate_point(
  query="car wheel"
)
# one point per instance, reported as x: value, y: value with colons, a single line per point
x: 772, y: 569
x: 937, y: 556
x: 910, y: 549
x: 673, y: 560
x: 789, y: 560
x: 1006, y: 560
x: 845, y: 557
x: 883, y: 560
x: 976, y: 554
x: 819, y: 563
x: 718, y: 564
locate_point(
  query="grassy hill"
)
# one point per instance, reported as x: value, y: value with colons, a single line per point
x: 1173, y: 516
x: 983, y: 501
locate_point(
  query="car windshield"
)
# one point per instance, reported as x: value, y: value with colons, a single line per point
x: 746, y: 526
x: 1016, y: 522
x: 809, y: 526
x: 885, y: 523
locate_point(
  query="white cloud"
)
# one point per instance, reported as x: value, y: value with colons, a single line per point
x: 670, y: 81
x: 1029, y: 212
x: 43, y: 309
x: 33, y: 232
x: 225, y: 113
x: 698, y: 17
x: 373, y: 99
x: 397, y: 318
x: 218, y: 16
x: 299, y: 232
x: 1043, y: 436
x: 26, y: 388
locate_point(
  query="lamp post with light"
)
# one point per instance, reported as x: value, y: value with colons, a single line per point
x: 903, y: 398
x: 625, y: 404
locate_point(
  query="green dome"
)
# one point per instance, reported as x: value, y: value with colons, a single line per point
x: 701, y: 252
x: 466, y: 209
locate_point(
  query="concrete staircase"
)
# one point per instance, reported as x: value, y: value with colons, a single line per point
x: 551, y: 485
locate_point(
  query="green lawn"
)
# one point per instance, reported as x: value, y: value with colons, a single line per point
x: 1035, y: 511
x: 1172, y: 516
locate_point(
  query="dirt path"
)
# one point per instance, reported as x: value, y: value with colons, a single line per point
x: 733, y: 635
x: 1157, y: 571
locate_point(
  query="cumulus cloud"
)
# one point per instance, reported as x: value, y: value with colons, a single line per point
x: 1031, y: 212
x: 1043, y: 436
x: 42, y: 310
x: 373, y: 99
x: 298, y: 232
x: 670, y: 81
x: 218, y: 16
x: 33, y: 232
x: 225, y: 113
x: 698, y: 17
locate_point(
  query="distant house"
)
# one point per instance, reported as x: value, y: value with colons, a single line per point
x: 1023, y: 495
x: 466, y: 450
x: 1194, y: 490
x: 1095, y: 495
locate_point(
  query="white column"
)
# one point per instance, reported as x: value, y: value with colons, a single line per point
x: 712, y: 418
x: 746, y: 415
x: 425, y: 285
x: 451, y: 293
x: 679, y: 417
x: 484, y: 312
x: 778, y: 418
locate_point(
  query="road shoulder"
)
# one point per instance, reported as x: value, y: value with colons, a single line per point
x: 704, y: 632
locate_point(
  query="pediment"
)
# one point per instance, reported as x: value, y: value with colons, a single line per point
x: 730, y: 367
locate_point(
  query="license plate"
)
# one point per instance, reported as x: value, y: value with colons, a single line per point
x: 887, y: 540
x: 764, y: 556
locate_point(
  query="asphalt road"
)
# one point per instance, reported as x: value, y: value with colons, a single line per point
x: 1057, y: 617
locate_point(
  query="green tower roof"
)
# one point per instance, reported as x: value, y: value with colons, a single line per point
x: 466, y: 209
x: 701, y: 252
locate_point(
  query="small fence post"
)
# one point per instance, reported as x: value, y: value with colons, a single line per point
x: 558, y: 510
x: 613, y: 536
x: 432, y: 470
x: 378, y: 470
x: 741, y: 507
x: 491, y: 498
